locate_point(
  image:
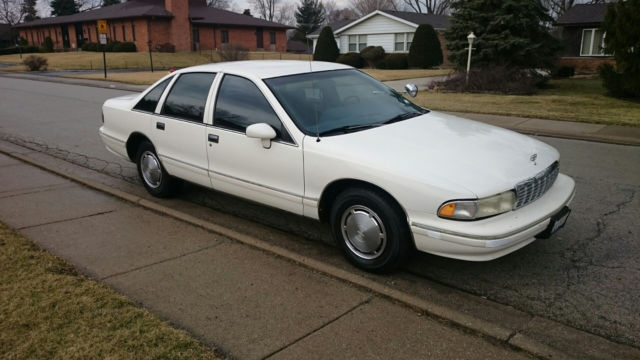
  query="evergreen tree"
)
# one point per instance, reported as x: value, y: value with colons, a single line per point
x: 309, y: 15
x: 63, y: 7
x: 510, y: 33
x: 326, y: 48
x: 622, y: 26
x: 29, y: 10
x: 425, y: 50
x: 110, y: 2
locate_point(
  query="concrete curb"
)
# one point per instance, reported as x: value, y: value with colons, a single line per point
x: 509, y: 337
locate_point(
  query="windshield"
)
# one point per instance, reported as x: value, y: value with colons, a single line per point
x: 340, y: 101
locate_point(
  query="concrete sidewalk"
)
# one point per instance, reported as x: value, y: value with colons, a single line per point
x: 247, y: 302
x: 614, y: 134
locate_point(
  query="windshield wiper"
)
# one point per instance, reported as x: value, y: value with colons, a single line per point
x: 401, y: 117
x: 347, y: 129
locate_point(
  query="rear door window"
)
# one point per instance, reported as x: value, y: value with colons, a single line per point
x: 188, y: 96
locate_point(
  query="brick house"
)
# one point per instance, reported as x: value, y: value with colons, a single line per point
x: 580, y: 32
x: 189, y: 25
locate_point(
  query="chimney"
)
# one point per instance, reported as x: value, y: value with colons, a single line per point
x: 180, y: 27
x: 247, y: 12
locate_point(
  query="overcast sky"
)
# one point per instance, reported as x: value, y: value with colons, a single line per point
x: 44, y: 10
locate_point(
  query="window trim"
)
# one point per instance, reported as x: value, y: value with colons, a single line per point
x: 591, y: 50
x: 213, y: 106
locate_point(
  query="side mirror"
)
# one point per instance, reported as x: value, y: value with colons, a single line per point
x: 263, y: 132
x: 411, y: 89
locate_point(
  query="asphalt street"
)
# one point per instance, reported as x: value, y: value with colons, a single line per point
x: 587, y: 276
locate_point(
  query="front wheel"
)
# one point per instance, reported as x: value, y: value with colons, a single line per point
x: 154, y: 178
x: 370, y: 229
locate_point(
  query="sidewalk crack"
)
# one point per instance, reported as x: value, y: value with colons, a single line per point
x: 161, y: 261
x: 350, y: 310
x: 65, y: 220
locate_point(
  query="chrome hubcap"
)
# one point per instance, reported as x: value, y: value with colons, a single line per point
x: 363, y: 232
x: 151, y: 169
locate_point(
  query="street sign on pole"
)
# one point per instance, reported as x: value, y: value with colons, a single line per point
x: 102, y: 27
x: 102, y: 37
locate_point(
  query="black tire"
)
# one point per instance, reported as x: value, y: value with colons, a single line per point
x: 371, y: 230
x: 154, y: 178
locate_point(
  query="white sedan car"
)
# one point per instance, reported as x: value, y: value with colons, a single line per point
x: 329, y: 142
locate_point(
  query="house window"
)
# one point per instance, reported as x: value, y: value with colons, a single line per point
x: 272, y: 37
x: 225, y: 36
x: 133, y: 30
x: 115, y: 35
x: 403, y: 42
x: 124, y: 34
x: 357, y: 42
x: 593, y: 42
x: 399, y: 42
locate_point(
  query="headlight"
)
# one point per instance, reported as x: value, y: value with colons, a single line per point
x: 478, y: 209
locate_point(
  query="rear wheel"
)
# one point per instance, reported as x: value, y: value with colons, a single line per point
x: 154, y: 178
x: 370, y: 230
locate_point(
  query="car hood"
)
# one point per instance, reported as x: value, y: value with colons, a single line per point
x: 437, y: 148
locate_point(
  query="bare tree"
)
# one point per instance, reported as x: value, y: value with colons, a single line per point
x: 438, y: 7
x: 364, y: 7
x: 333, y: 13
x: 218, y: 4
x: 11, y: 11
x: 266, y: 9
x: 285, y: 14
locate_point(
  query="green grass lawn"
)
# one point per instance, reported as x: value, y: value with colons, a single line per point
x: 48, y: 311
x: 581, y: 100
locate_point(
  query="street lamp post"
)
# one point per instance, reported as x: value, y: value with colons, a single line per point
x: 150, y: 57
x: 470, y: 39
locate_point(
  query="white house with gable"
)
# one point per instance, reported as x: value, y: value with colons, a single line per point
x: 393, y: 30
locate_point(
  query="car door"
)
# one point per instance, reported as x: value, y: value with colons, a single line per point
x: 179, y: 131
x: 241, y: 165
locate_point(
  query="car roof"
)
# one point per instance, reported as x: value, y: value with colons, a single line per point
x: 264, y: 69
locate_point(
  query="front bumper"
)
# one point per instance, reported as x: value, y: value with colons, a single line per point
x: 494, y: 237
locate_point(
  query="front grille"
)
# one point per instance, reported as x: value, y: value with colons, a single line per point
x: 530, y: 190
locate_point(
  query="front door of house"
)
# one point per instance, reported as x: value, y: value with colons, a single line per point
x: 259, y: 44
x: 65, y: 37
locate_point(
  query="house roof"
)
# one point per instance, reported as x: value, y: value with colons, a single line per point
x: 412, y: 18
x: 209, y: 15
x: 583, y: 14
x: 198, y: 12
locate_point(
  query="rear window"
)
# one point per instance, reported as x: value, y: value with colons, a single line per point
x: 150, y: 101
x: 188, y: 96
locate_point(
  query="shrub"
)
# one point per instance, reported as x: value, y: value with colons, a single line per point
x: 91, y: 46
x: 233, y: 52
x: 425, y: 50
x: 395, y: 62
x: 326, y: 48
x: 166, y: 47
x: 621, y: 85
x: 372, y: 55
x: 495, y: 79
x: 35, y: 63
x: 564, y: 72
x: 48, y: 44
x: 124, y: 47
x: 15, y: 50
x: 351, y: 59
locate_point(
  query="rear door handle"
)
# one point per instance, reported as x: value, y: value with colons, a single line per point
x: 160, y: 125
x: 213, y: 138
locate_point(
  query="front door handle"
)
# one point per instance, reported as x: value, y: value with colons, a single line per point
x: 213, y: 138
x: 160, y: 125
